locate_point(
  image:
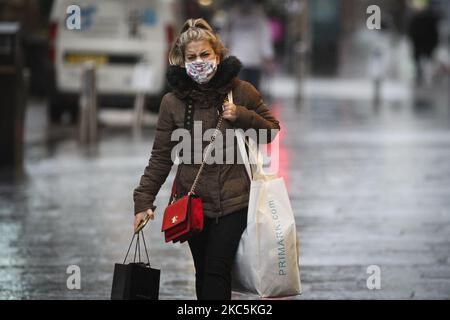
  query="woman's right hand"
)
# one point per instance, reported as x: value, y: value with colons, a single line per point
x: 141, y: 216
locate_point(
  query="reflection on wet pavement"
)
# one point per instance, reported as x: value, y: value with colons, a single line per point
x: 369, y: 186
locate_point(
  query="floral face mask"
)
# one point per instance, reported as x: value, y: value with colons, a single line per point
x: 201, y: 71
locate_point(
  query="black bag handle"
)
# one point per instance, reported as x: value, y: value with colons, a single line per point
x: 137, y: 249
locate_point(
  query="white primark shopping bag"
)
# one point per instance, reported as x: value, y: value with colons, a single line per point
x: 267, y: 261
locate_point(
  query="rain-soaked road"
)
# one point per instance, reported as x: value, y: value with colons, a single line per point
x: 369, y: 186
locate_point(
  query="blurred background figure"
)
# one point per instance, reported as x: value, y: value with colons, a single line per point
x: 248, y: 35
x: 424, y: 35
x: 276, y: 31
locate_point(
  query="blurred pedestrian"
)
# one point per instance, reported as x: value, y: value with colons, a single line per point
x: 424, y: 34
x: 248, y: 35
x: 200, y: 77
x: 277, y: 33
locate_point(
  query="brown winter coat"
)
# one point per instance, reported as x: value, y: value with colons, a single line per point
x: 224, y: 188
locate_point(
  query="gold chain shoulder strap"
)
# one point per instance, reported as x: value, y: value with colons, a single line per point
x: 213, y: 138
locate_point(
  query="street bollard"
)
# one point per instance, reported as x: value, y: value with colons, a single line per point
x: 88, y: 105
x: 377, y: 70
x: 139, y: 106
x: 141, y: 82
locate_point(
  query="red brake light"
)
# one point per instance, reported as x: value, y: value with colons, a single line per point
x: 52, y: 41
x: 170, y: 33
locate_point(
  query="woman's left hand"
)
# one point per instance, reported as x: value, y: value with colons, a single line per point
x: 229, y: 111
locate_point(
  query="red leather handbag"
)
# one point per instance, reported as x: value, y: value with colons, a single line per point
x: 184, y: 217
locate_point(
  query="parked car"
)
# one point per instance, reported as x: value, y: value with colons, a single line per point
x: 117, y: 35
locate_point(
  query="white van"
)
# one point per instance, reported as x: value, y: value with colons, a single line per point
x: 117, y: 35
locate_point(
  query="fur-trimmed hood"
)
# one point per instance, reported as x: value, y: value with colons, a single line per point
x: 182, y: 85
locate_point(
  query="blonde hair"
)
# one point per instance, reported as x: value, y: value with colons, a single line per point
x: 195, y: 30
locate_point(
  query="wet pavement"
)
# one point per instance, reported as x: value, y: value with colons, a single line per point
x: 370, y: 185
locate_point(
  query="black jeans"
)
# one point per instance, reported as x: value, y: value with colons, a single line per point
x: 214, y: 250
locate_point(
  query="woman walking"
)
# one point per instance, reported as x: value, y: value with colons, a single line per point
x: 200, y: 77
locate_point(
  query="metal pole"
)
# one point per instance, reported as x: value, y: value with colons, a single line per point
x: 377, y: 70
x: 88, y: 105
x: 302, y: 47
x: 139, y: 104
x: 93, y: 104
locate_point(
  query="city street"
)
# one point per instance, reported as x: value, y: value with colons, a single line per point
x: 369, y: 186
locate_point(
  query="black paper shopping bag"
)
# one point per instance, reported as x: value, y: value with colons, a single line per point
x: 136, y: 280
